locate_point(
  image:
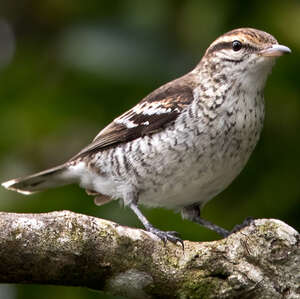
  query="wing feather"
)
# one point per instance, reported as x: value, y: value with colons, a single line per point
x: 159, y: 109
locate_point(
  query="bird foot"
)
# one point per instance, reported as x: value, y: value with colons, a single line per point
x: 245, y: 223
x: 165, y: 236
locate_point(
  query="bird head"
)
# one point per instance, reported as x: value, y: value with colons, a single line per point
x: 244, y: 53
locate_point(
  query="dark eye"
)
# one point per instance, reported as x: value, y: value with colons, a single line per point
x: 236, y: 45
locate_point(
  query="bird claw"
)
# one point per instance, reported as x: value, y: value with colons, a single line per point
x: 245, y: 223
x: 165, y: 236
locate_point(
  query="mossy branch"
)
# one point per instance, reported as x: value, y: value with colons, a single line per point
x: 64, y: 248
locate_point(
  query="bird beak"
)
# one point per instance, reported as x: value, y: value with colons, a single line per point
x: 275, y: 51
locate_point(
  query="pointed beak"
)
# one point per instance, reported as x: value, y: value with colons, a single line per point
x: 275, y: 51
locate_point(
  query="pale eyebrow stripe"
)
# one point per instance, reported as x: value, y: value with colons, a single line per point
x: 228, y: 45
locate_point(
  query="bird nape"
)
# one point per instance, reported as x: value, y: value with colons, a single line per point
x: 183, y: 143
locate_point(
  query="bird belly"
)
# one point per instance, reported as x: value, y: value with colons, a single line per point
x: 170, y: 177
x: 196, y: 184
x: 179, y: 166
x: 190, y: 169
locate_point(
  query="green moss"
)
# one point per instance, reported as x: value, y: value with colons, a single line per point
x: 203, y: 288
x: 268, y: 229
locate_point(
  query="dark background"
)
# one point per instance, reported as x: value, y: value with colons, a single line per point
x: 67, y: 68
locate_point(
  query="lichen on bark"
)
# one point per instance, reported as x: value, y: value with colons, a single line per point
x: 64, y: 248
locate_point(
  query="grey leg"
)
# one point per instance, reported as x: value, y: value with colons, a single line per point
x: 193, y: 213
x: 245, y: 223
x: 163, y: 235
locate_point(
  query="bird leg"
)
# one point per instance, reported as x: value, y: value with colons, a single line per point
x: 165, y: 236
x: 245, y: 223
x: 192, y: 213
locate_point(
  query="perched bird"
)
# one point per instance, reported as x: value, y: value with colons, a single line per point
x: 183, y: 143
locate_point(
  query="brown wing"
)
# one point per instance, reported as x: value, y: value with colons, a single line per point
x: 153, y: 113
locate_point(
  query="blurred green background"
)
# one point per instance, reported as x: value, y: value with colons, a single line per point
x: 67, y: 68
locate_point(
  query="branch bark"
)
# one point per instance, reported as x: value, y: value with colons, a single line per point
x: 64, y: 248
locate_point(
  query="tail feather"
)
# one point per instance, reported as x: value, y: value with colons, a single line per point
x: 50, y: 178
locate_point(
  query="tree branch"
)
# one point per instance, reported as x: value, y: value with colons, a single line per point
x: 64, y: 248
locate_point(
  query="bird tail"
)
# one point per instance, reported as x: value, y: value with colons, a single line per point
x: 50, y: 178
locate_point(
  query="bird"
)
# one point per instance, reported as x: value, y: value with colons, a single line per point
x: 182, y: 144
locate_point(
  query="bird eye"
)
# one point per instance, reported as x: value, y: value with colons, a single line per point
x: 236, y: 45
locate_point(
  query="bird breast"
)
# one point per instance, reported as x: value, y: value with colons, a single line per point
x: 191, y: 160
